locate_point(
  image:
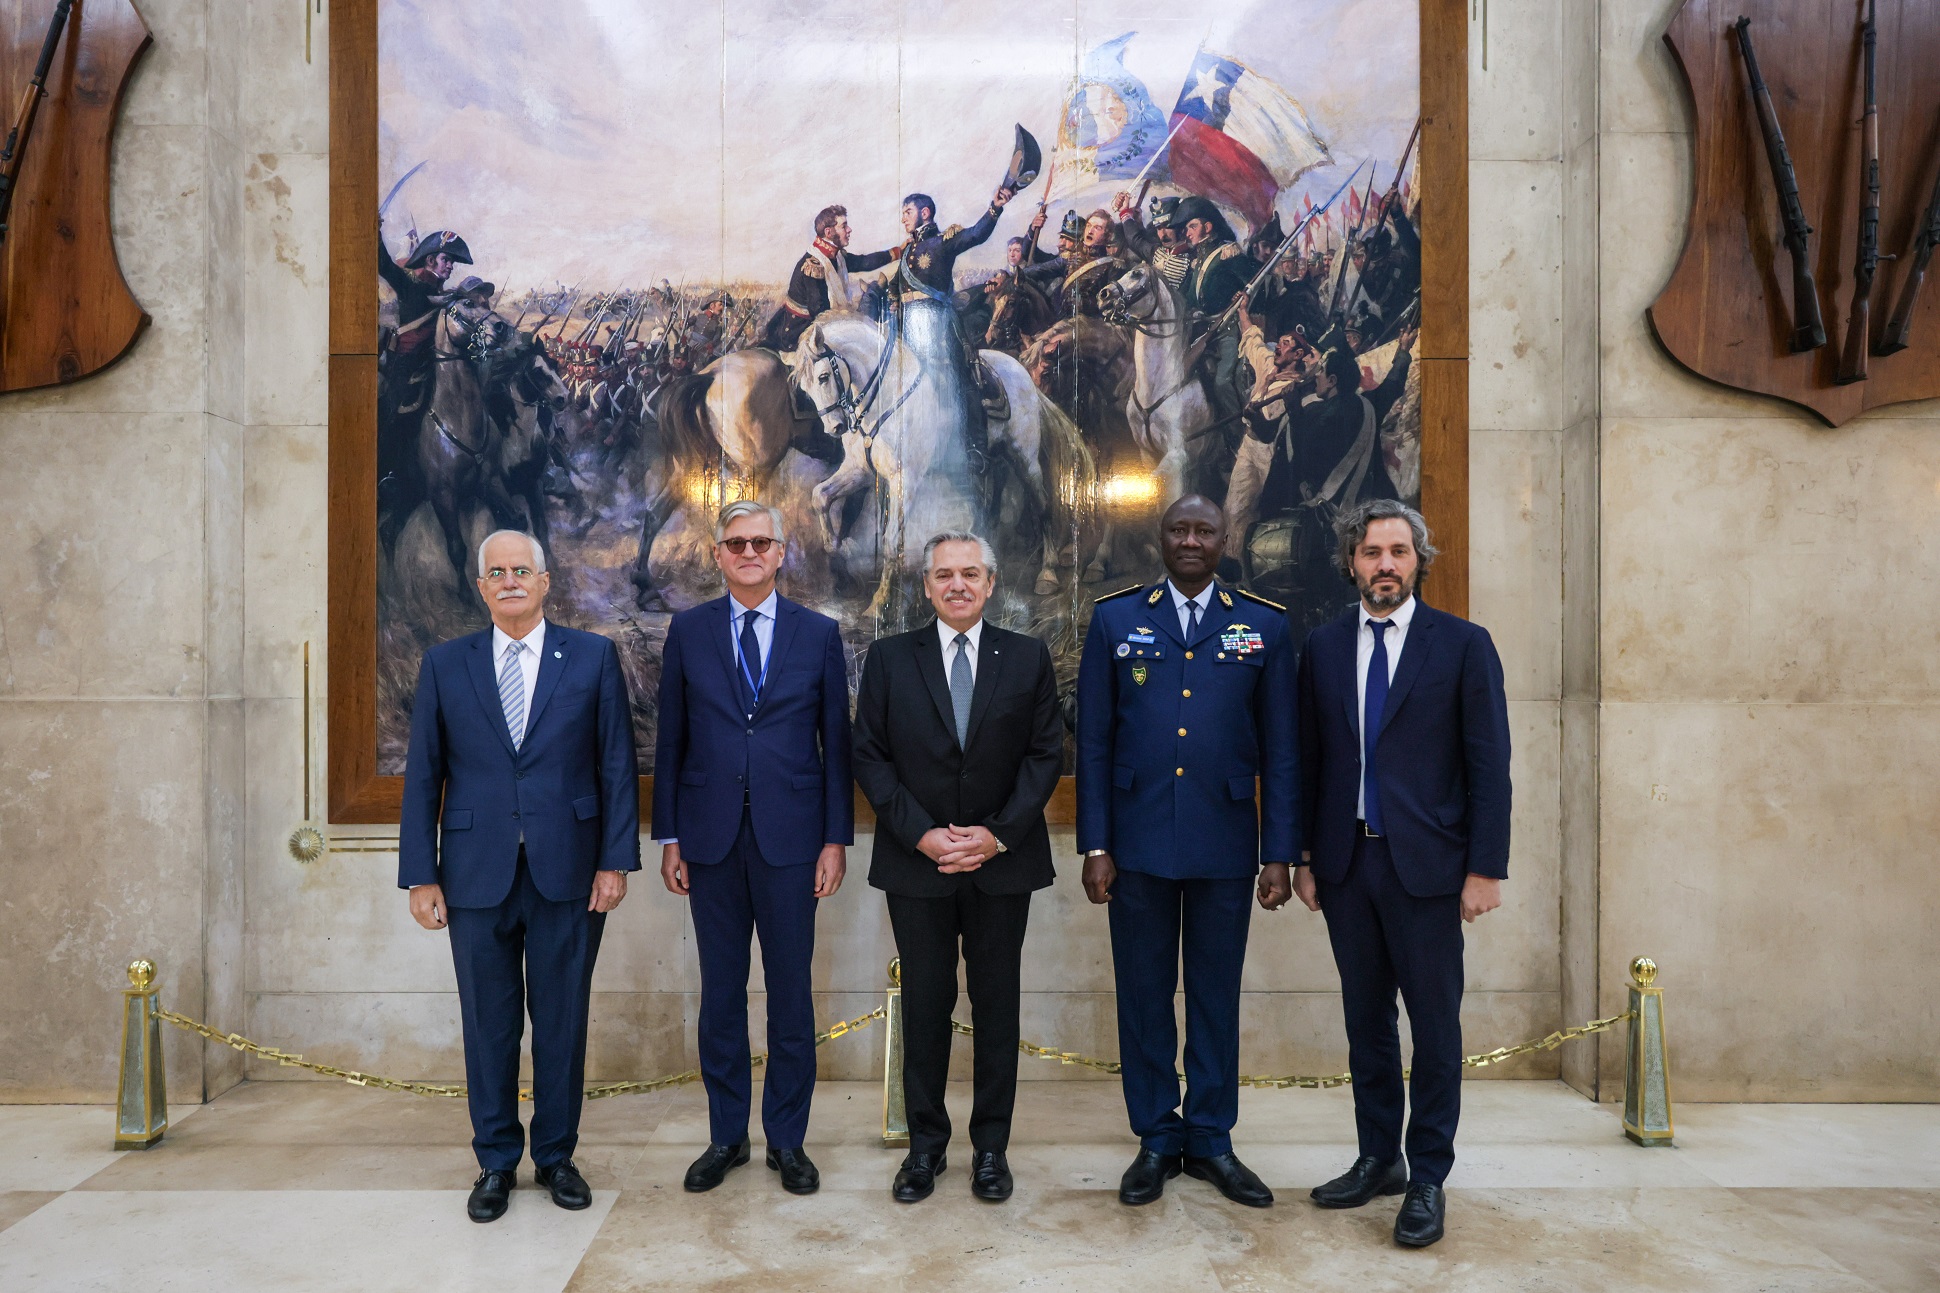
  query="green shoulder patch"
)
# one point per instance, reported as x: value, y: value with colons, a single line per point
x: 1255, y: 597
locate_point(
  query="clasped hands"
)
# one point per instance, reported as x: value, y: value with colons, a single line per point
x: 956, y: 849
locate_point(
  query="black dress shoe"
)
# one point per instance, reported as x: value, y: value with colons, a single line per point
x: 711, y: 1168
x: 491, y: 1192
x: 990, y: 1176
x: 1419, y: 1222
x: 1144, y: 1181
x: 567, y: 1187
x: 1363, y: 1181
x: 798, y: 1174
x: 1231, y: 1178
x: 917, y: 1177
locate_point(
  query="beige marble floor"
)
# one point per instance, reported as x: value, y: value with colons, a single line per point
x: 296, y: 1186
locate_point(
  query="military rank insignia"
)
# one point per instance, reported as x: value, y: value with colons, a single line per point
x: 1140, y: 674
x: 1241, y: 639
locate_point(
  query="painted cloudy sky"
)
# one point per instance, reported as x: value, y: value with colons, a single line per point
x: 622, y: 141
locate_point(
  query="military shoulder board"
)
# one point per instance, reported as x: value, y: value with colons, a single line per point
x: 1255, y: 597
x: 1120, y: 593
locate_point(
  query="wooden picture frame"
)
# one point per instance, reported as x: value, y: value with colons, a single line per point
x: 357, y: 794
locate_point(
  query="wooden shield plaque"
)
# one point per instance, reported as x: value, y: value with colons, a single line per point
x: 67, y: 310
x: 1726, y: 313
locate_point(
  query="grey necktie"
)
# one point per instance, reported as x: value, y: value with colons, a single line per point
x: 961, y: 685
x: 511, y: 693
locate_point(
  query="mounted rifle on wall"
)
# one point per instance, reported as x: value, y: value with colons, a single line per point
x: 23, y: 120
x: 1859, y: 323
x: 1808, y: 327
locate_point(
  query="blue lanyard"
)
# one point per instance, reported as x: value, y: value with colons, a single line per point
x: 754, y: 684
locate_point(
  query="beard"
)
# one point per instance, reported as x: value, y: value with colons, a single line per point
x: 1384, y: 601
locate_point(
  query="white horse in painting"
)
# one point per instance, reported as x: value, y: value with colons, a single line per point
x: 892, y: 396
x: 1167, y: 407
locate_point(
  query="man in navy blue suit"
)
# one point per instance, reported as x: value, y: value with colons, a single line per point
x: 521, y: 819
x: 1404, y: 759
x: 1187, y: 789
x: 754, y: 811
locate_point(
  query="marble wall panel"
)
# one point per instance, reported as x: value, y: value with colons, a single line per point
x: 1515, y: 554
x: 1642, y: 90
x: 102, y: 839
x: 225, y: 781
x: 1784, y: 546
x: 285, y: 239
x: 1581, y: 20
x: 1515, y: 105
x: 170, y: 83
x: 1577, y: 881
x: 1647, y: 184
x: 1303, y: 1033
x: 226, y: 325
x: 1581, y: 530
x: 104, y: 596
x: 285, y: 577
x: 1515, y: 301
x: 222, y: 563
x: 414, y: 1035
x: 1776, y: 862
x: 1582, y: 348
x: 285, y: 101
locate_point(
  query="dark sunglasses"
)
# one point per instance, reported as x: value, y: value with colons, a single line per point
x: 760, y: 544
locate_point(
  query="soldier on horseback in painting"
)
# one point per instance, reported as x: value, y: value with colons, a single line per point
x: 924, y: 285
x: 1389, y: 261
x: 1072, y: 279
x: 820, y: 279
x: 404, y: 367
x: 1220, y: 271
x: 1156, y: 240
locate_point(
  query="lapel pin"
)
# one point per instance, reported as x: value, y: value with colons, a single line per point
x: 559, y: 655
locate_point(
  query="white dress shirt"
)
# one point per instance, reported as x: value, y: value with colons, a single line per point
x: 764, y: 629
x: 948, y: 637
x: 1180, y: 602
x: 535, y: 645
x: 1398, y: 619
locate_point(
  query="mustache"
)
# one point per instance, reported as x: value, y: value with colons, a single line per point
x: 508, y: 593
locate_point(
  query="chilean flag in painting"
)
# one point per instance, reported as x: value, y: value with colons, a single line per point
x: 1241, y: 137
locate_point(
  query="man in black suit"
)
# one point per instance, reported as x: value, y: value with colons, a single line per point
x: 1404, y: 760
x: 958, y: 745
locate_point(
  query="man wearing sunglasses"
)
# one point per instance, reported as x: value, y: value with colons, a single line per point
x: 754, y: 812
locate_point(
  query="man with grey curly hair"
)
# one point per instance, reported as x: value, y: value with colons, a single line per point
x: 1404, y: 764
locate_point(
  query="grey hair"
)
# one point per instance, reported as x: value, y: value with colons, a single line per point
x: 984, y: 550
x: 741, y: 507
x: 1350, y: 527
x: 538, y: 553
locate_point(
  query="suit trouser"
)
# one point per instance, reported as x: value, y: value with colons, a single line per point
x: 732, y: 900
x: 1151, y: 918
x: 1386, y: 938
x: 991, y: 929
x: 526, y: 952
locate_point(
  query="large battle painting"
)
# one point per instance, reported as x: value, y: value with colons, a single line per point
x: 893, y: 266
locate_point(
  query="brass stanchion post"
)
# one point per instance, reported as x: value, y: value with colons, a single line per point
x: 1646, y: 1066
x: 141, y: 1098
x: 895, y: 1114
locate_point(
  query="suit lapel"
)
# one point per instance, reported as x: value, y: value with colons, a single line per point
x: 720, y: 627
x: 552, y: 663
x: 1414, y: 653
x: 990, y: 663
x: 787, y: 618
x: 485, y: 681
x: 1164, y: 612
x: 1348, y: 661
x: 1214, y: 618
x: 929, y: 663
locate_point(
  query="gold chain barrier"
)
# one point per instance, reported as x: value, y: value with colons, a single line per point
x: 142, y: 1107
x: 1321, y: 1083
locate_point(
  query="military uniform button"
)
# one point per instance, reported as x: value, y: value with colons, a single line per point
x: 1188, y: 693
x: 1222, y: 655
x: 1178, y: 772
x: 1182, y: 731
x: 1188, y: 655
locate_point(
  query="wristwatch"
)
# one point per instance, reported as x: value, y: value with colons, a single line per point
x: 1001, y: 846
x: 1092, y: 853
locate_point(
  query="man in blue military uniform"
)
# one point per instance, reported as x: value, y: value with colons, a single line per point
x: 1187, y: 768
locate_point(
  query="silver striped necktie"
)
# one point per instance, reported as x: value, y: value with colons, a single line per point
x: 962, y: 685
x: 511, y: 693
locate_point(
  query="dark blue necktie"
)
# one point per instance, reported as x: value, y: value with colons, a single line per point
x: 1377, y: 703
x: 750, y: 661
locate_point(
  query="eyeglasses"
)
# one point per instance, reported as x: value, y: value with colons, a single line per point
x: 497, y: 574
x: 760, y: 544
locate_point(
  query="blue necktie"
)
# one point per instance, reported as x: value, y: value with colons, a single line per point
x: 750, y: 660
x: 1377, y: 703
x: 511, y: 693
